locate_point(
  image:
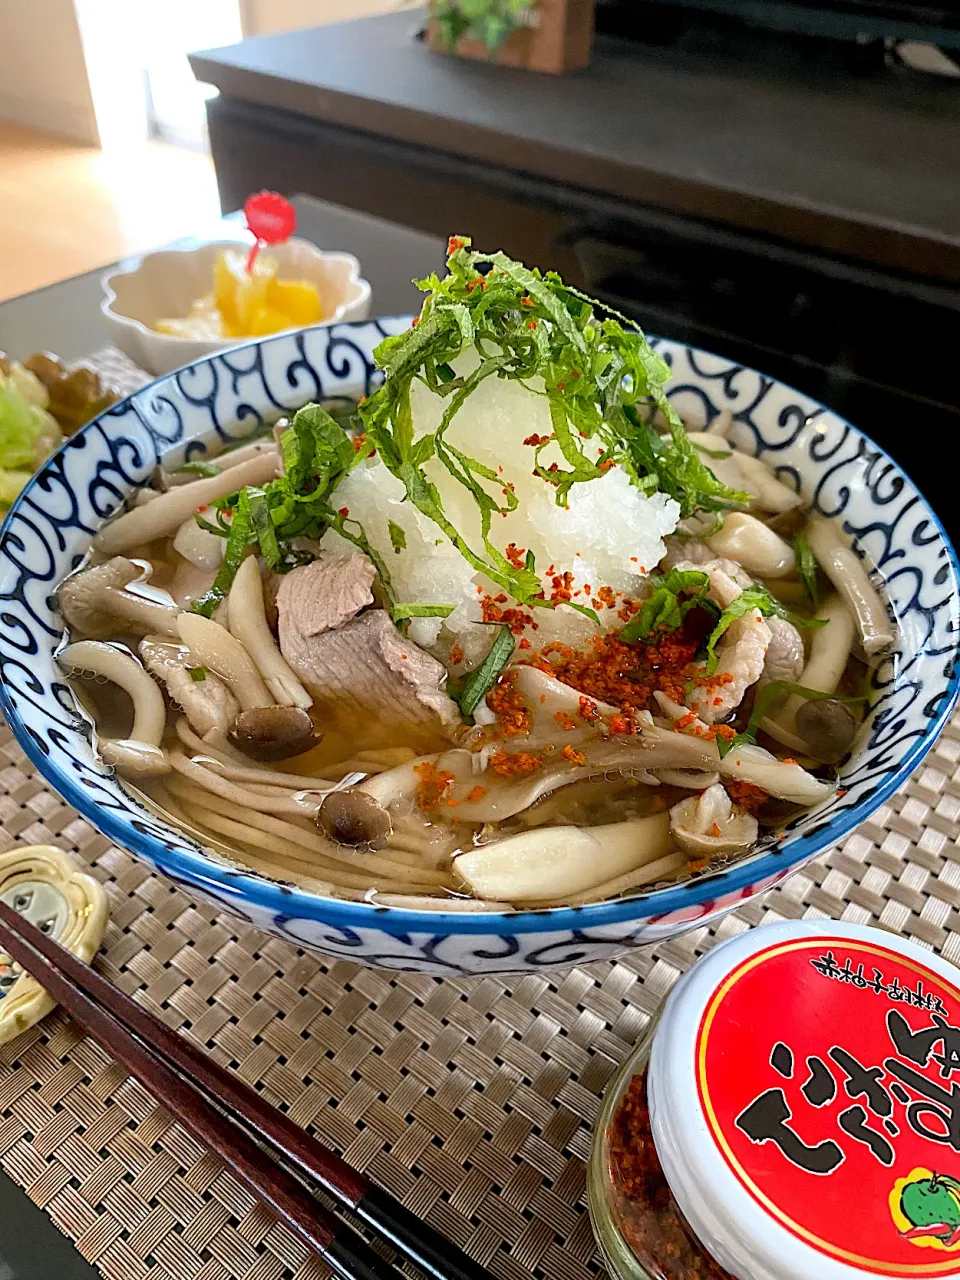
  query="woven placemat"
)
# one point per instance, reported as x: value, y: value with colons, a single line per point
x: 470, y: 1099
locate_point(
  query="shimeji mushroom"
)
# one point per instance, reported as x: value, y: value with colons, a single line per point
x: 247, y: 620
x: 753, y: 545
x: 349, y: 816
x: 97, y: 604
x: 781, y: 778
x: 830, y: 647
x: 707, y: 825
x: 845, y: 570
x: 559, y: 862
x: 741, y: 471
x: 273, y: 733
x: 499, y: 798
x: 140, y: 755
x: 213, y: 646
x: 164, y: 515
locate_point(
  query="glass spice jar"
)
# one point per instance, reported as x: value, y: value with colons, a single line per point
x: 792, y: 1113
x: 641, y: 1232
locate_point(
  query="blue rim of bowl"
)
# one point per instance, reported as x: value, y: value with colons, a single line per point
x: 288, y: 902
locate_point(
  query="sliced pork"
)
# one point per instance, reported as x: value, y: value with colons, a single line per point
x: 321, y: 596
x: 366, y: 675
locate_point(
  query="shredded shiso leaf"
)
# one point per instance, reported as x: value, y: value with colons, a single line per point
x: 599, y: 374
x: 482, y: 679
x: 601, y: 378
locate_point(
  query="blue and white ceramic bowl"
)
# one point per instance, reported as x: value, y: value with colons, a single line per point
x: 227, y: 396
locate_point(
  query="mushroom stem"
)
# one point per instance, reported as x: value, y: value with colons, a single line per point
x: 213, y: 646
x: 146, y: 615
x: 829, y: 650
x: 162, y: 516
x: 570, y: 860
x: 847, y: 573
x: 140, y: 754
x: 248, y: 623
x: 750, y: 543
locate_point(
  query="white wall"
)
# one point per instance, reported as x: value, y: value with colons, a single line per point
x: 262, y: 16
x: 43, y: 75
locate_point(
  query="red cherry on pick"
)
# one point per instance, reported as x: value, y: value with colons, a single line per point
x: 271, y: 218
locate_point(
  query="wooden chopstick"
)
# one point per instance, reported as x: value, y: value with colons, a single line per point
x: 321, y: 1231
x: 416, y: 1240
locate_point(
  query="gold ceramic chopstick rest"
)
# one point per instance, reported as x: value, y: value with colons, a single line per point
x: 46, y: 887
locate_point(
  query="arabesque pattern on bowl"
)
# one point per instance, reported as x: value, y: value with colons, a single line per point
x: 227, y: 397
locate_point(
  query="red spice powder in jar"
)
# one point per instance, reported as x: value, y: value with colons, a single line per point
x: 643, y: 1206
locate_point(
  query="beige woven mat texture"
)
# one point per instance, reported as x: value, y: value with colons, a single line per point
x: 471, y: 1100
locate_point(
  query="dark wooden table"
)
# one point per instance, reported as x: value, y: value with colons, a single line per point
x: 754, y: 136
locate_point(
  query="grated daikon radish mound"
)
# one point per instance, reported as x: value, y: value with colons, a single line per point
x: 610, y: 535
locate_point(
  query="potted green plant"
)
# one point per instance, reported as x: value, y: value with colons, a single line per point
x: 540, y: 35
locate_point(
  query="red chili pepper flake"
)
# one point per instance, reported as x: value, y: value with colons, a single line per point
x: 476, y: 793
x: 643, y: 1205
x: 588, y: 709
x: 536, y: 440
x: 414, y: 322
x: 509, y: 706
x: 433, y: 786
x: 453, y: 244
x: 571, y: 753
x: 478, y: 283
x: 403, y: 657
x: 525, y: 643
x: 512, y: 764
x: 359, y: 441
x: 203, y: 508
x: 456, y: 655
x: 526, y: 301
x: 344, y: 511
x: 565, y: 721
x: 531, y: 324
x: 745, y: 795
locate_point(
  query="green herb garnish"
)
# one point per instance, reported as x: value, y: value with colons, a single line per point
x: 665, y: 610
x: 399, y: 612
x: 600, y: 377
x: 755, y: 597
x: 317, y: 453
x: 806, y: 565
x: 398, y: 539
x: 769, y: 697
x: 481, y: 680
x: 197, y: 674
x: 200, y: 467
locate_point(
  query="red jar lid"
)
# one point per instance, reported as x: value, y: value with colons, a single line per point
x: 805, y: 1101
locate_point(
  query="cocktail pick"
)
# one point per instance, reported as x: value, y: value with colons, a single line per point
x: 271, y: 218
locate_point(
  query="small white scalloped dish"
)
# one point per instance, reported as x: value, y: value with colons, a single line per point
x: 165, y: 284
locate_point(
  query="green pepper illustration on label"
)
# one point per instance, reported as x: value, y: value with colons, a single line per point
x: 926, y: 1209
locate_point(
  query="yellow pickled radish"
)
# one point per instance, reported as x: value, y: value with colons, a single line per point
x: 246, y: 303
x: 299, y: 300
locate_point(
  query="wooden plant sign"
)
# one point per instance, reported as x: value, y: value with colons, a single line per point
x: 546, y: 35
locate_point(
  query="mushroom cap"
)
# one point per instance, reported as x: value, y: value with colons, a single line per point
x: 83, y: 597
x: 828, y: 727
x: 353, y: 817
x: 707, y: 825
x: 273, y: 733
